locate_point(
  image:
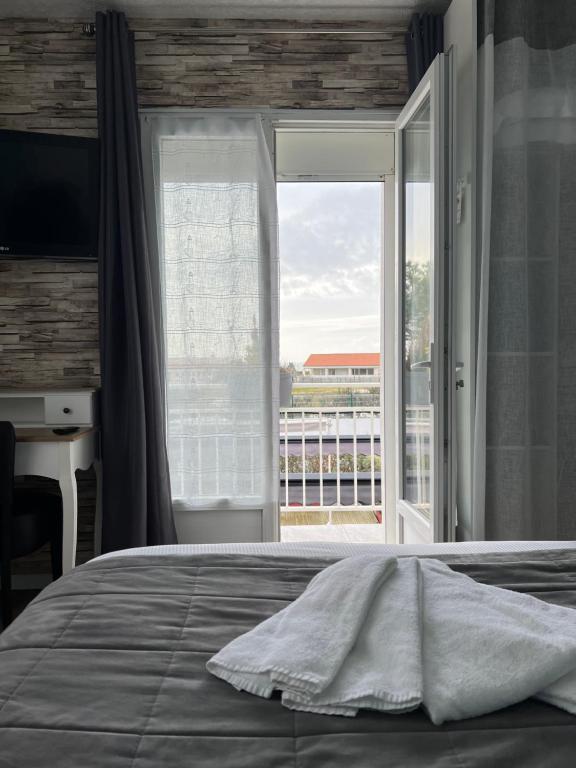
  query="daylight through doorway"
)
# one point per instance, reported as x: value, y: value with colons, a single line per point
x: 331, y: 449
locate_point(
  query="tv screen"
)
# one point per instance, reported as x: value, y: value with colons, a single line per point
x: 48, y: 196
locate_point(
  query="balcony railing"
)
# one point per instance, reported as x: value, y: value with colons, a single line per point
x: 330, y: 459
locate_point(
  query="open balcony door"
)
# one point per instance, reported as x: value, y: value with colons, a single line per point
x: 422, y: 336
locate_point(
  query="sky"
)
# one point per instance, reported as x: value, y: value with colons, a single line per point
x: 330, y: 246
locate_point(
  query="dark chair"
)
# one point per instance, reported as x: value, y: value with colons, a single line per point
x: 28, y: 520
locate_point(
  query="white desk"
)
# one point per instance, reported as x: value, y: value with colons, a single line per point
x: 41, y: 452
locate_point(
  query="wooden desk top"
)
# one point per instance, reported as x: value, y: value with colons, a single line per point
x: 46, y: 435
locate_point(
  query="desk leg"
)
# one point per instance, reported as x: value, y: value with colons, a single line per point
x: 67, y: 480
x: 98, y: 515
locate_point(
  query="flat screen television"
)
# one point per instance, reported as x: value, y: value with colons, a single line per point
x: 48, y: 196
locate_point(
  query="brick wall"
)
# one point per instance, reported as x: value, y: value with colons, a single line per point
x: 48, y: 310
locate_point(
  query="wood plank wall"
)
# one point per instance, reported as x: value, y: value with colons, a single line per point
x: 48, y: 310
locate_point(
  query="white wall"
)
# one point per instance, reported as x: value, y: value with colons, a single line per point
x: 460, y: 34
x: 219, y: 525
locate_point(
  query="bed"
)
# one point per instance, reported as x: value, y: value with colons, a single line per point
x: 106, y: 668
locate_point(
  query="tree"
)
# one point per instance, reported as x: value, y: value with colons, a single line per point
x: 416, y: 313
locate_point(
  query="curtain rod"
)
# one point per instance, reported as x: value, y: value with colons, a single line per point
x: 89, y: 30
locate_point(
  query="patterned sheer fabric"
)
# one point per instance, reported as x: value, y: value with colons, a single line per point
x: 217, y: 228
x: 525, y: 451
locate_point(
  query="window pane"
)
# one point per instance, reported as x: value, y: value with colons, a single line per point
x: 217, y: 232
x: 418, y: 234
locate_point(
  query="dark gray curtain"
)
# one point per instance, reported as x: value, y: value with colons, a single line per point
x: 424, y: 40
x: 525, y: 432
x: 137, y: 507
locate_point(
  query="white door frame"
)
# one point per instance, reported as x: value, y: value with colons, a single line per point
x: 431, y: 86
x: 366, y: 120
x: 388, y: 319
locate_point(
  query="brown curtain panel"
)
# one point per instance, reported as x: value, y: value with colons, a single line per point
x: 137, y: 507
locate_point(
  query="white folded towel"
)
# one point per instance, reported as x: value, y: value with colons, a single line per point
x: 562, y: 693
x: 301, y: 648
x: 372, y: 633
x: 485, y: 648
x: 383, y: 670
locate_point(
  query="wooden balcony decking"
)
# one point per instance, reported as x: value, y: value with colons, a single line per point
x: 295, y: 516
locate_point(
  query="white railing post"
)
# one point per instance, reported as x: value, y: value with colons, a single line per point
x: 286, y: 491
x: 321, y: 457
x: 182, y: 460
x: 201, y: 473
x: 218, y: 473
x: 419, y: 466
x: 252, y: 478
x: 372, y: 461
x: 355, y: 457
x: 303, y: 458
x: 338, y: 498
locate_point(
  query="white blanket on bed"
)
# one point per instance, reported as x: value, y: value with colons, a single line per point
x: 373, y: 632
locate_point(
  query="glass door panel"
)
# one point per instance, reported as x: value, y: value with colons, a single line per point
x: 420, y: 253
x: 417, y: 191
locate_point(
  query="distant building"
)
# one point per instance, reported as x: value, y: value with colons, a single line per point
x: 343, y: 364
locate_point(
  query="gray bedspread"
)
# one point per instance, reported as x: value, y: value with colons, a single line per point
x: 106, y: 668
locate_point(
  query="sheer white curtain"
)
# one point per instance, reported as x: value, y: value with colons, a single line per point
x: 484, y: 213
x: 217, y: 232
x: 525, y: 439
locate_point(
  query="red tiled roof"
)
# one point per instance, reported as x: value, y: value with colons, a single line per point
x: 344, y: 359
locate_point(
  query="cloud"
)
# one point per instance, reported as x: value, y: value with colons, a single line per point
x: 352, y: 323
x: 326, y: 226
x: 355, y: 281
x: 330, y: 243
